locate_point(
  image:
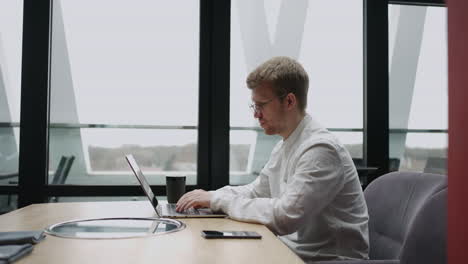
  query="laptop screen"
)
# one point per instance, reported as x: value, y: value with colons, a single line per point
x: 139, y: 174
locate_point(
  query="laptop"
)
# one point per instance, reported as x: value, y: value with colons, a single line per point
x: 166, y: 210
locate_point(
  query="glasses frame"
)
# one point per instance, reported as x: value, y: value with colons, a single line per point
x: 257, y: 108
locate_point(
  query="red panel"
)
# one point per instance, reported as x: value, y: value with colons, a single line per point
x: 458, y: 131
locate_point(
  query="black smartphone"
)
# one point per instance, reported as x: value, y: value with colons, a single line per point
x: 230, y: 234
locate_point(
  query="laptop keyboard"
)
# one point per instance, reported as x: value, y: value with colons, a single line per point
x: 190, y: 211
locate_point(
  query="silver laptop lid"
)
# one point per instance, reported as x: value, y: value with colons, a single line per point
x: 141, y: 178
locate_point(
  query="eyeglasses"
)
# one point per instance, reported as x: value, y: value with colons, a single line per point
x: 258, y: 107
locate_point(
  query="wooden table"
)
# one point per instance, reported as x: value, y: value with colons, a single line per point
x: 186, y: 246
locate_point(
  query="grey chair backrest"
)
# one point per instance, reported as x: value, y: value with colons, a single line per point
x: 427, y: 240
x: 394, y: 200
x: 61, y: 174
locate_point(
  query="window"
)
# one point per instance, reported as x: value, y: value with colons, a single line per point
x: 11, y: 17
x: 124, y: 80
x: 418, y: 87
x: 11, y: 28
x: 327, y: 40
x: 11, y: 21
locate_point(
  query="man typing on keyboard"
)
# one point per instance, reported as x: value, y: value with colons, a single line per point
x: 309, y: 192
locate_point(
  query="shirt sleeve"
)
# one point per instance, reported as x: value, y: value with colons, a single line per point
x: 258, y: 188
x: 317, y: 179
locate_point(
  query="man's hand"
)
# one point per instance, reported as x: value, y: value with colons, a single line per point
x: 196, y: 199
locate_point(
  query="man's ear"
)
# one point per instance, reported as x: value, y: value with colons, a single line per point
x: 291, y: 100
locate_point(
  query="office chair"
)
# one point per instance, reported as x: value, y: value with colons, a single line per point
x: 6, y: 203
x: 407, y: 219
x: 61, y: 174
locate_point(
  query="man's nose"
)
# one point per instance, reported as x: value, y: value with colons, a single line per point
x: 257, y: 114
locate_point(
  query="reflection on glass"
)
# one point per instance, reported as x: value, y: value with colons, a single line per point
x: 115, y: 228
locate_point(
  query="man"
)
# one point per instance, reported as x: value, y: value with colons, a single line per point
x: 309, y: 192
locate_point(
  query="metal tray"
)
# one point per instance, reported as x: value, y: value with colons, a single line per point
x: 114, y: 228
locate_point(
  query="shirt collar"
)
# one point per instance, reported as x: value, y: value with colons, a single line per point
x: 297, y: 132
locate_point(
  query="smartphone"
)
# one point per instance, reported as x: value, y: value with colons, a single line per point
x: 230, y: 234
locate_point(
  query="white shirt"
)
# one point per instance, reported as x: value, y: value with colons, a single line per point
x: 309, y: 194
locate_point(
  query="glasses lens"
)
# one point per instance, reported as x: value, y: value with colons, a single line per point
x: 254, y: 108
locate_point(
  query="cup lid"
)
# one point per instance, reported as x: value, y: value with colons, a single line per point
x: 173, y: 177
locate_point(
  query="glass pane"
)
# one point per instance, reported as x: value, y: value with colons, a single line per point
x: 418, y: 84
x: 326, y: 40
x: 418, y: 67
x: 249, y: 152
x: 124, y: 79
x: 352, y: 141
x: 11, y: 30
x: 419, y: 156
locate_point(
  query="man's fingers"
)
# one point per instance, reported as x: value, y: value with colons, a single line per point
x: 183, y: 200
x: 181, y: 204
x: 190, y: 199
x: 194, y: 201
x: 190, y: 204
x: 184, y: 205
x: 187, y: 195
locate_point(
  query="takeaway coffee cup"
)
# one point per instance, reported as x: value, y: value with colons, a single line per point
x: 175, y: 188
